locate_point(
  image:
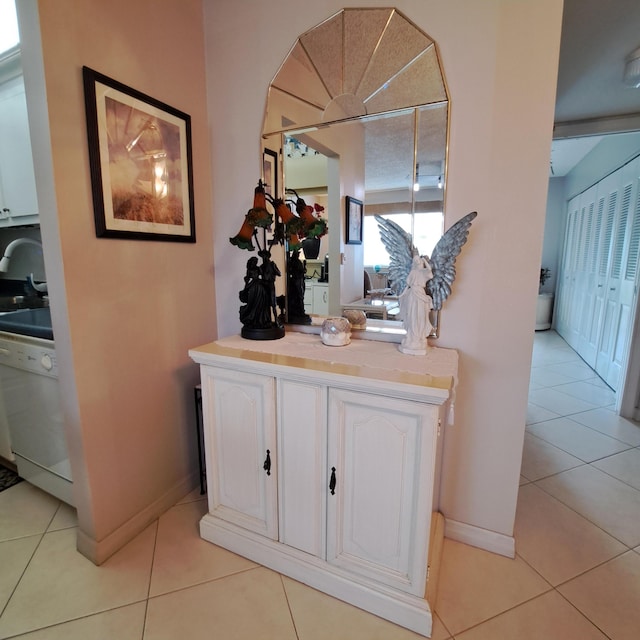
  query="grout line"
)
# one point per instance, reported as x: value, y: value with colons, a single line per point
x: 584, y: 615
x: 153, y: 559
x: 207, y: 581
x: 22, y: 634
x: 286, y: 596
x: 582, y: 515
x: 26, y: 566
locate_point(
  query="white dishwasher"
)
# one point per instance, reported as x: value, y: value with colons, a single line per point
x: 29, y: 387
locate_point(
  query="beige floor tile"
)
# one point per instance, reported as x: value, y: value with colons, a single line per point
x: 65, y: 518
x: 609, y: 596
x: 610, y: 424
x: 537, y: 414
x: 318, y: 616
x: 589, y: 391
x: 559, y: 403
x: 124, y: 623
x: 625, y: 466
x: 576, y: 439
x: 535, y: 385
x: 605, y: 501
x: 541, y: 459
x: 475, y: 585
x: 575, y: 369
x: 60, y: 584
x: 542, y: 377
x: 182, y: 558
x: 246, y: 606
x: 14, y: 558
x: 546, y: 532
x: 25, y: 510
x: 548, y: 617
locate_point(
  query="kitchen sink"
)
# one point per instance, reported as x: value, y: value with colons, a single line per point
x: 9, y: 304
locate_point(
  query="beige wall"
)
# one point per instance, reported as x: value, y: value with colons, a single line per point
x: 125, y: 312
x: 500, y: 61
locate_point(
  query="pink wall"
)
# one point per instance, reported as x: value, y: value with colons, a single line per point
x: 125, y: 312
x: 500, y: 61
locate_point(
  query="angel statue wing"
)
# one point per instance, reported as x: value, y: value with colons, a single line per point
x: 399, y: 246
x: 443, y: 259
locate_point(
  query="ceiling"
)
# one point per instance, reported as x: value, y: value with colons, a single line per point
x: 591, y: 98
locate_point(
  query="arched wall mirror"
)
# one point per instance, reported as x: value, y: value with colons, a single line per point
x: 359, y: 109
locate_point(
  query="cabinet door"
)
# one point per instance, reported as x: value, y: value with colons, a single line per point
x: 321, y: 299
x: 17, y: 179
x: 302, y: 465
x: 383, y: 454
x: 240, y: 441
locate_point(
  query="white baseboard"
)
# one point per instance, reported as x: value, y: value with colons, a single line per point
x: 98, y: 551
x: 481, y: 538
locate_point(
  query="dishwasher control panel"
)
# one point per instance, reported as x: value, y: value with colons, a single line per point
x: 29, y: 355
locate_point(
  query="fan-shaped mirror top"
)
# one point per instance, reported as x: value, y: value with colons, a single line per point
x: 358, y: 62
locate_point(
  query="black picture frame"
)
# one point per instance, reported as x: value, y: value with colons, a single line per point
x: 141, y: 163
x: 354, y: 212
x: 270, y: 172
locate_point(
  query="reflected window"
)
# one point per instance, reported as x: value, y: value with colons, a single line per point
x: 426, y: 232
x: 9, y: 35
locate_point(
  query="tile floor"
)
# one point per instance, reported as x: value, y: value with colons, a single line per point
x: 576, y: 575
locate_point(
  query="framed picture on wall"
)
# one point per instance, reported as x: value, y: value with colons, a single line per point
x: 270, y: 172
x: 354, y: 212
x: 140, y: 161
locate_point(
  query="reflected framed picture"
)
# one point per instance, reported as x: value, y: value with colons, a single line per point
x: 354, y: 212
x: 270, y: 172
x: 140, y: 161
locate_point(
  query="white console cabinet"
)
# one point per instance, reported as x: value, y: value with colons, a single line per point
x: 323, y: 464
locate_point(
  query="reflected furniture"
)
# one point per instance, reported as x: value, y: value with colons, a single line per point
x: 324, y: 465
x: 375, y: 307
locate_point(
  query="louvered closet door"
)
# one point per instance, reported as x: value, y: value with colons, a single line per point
x: 566, y: 281
x: 591, y: 308
x: 621, y: 289
x: 621, y: 283
x: 583, y: 286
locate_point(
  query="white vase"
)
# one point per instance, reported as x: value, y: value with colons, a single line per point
x: 544, y: 310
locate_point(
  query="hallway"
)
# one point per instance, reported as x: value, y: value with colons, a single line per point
x: 576, y: 575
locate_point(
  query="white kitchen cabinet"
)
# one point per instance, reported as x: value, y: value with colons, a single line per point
x: 18, y: 199
x: 349, y: 500
x: 308, y: 298
x: 316, y: 298
x: 320, y: 299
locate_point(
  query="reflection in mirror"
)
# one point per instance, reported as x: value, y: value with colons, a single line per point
x: 365, y: 93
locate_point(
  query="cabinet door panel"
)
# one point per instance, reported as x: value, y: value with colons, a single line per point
x: 302, y: 419
x: 239, y: 412
x: 17, y: 177
x: 383, y: 451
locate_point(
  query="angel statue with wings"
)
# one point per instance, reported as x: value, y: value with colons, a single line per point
x: 423, y: 283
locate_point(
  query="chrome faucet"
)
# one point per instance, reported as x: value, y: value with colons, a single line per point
x: 6, y: 258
